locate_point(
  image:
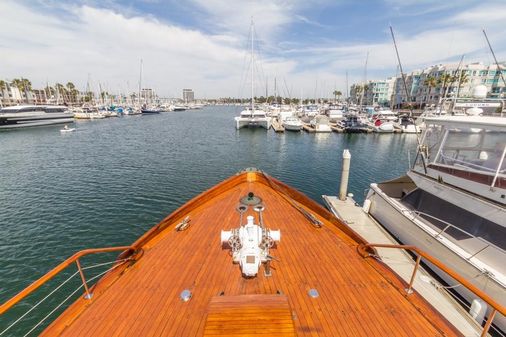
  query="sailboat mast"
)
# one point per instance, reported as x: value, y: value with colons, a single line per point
x: 140, y: 83
x: 252, y: 68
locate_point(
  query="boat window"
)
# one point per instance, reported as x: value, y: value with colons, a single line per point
x: 466, y: 224
x: 473, y: 150
x: 54, y: 109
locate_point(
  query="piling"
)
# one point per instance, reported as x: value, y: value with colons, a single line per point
x: 345, y: 172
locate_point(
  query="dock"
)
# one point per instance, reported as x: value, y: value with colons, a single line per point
x: 277, y: 126
x: 336, y: 128
x: 307, y: 127
x: 402, y: 263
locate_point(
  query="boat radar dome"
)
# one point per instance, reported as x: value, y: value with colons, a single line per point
x: 474, y: 111
x: 479, y: 91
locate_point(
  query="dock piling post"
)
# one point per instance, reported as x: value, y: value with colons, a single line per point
x: 345, y: 174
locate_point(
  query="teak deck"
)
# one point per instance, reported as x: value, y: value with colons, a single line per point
x: 357, y: 296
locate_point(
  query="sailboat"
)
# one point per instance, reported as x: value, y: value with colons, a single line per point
x: 252, y: 117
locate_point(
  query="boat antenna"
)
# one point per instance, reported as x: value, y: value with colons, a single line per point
x: 140, y: 84
x: 458, y: 76
x: 408, y: 98
x: 365, y: 81
x: 495, y: 59
x: 252, y: 67
x: 347, y: 94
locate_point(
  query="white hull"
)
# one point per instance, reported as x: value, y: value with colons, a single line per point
x: 322, y: 128
x: 293, y: 127
x: 411, y: 230
x: 43, y: 122
x: 252, y: 122
x: 12, y: 119
x: 385, y: 127
x: 410, y: 128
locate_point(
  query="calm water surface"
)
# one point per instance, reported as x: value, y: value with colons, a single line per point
x: 111, y: 180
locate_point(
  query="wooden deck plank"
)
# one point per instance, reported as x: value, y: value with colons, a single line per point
x: 355, y: 299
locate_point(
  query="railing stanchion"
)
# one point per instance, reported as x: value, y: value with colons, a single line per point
x: 410, y: 287
x: 489, y: 323
x: 88, y: 294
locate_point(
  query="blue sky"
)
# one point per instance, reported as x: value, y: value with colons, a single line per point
x: 307, y: 45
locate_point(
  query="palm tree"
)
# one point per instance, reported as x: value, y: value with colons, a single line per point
x: 430, y: 82
x: 72, y: 92
x: 18, y: 84
x: 3, y: 86
x: 461, y: 79
x: 336, y: 94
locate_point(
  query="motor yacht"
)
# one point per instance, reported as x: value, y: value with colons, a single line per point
x: 21, y: 116
x: 355, y: 124
x: 408, y: 125
x: 249, y: 257
x: 335, y: 112
x: 292, y: 124
x: 452, y: 201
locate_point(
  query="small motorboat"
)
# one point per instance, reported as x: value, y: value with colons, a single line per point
x: 66, y: 129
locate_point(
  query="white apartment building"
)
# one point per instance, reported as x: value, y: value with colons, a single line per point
x: 422, y: 94
x: 376, y: 93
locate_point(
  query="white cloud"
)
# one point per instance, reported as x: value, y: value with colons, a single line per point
x: 76, y: 40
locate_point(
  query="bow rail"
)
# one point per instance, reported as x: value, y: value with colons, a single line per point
x: 62, y: 266
x: 365, y: 251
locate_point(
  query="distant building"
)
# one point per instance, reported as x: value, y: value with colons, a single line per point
x: 430, y: 85
x: 11, y: 95
x: 148, y: 95
x: 188, y: 95
x: 423, y: 93
x: 374, y: 92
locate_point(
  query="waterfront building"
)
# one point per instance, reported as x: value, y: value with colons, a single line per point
x: 431, y: 85
x: 148, y: 95
x: 374, y: 92
x: 188, y: 95
x: 399, y: 97
x: 11, y: 95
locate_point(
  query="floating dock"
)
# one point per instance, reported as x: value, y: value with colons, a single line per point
x: 277, y: 126
x: 337, y: 129
x: 402, y: 263
x: 307, y: 127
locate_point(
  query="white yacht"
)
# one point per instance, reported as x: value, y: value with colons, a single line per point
x: 88, y: 113
x: 452, y: 203
x: 21, y: 116
x: 252, y: 118
x: 380, y: 125
x: 311, y: 110
x: 335, y: 112
x: 408, y: 125
x: 292, y: 124
x: 321, y: 124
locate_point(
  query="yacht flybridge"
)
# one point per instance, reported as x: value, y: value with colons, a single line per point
x: 22, y: 116
x: 285, y: 266
x: 452, y: 202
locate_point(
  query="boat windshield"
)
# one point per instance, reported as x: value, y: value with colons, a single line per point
x: 467, y: 149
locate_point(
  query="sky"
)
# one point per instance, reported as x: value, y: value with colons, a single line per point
x: 308, y: 46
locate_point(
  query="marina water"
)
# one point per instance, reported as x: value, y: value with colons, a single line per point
x: 112, y: 180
